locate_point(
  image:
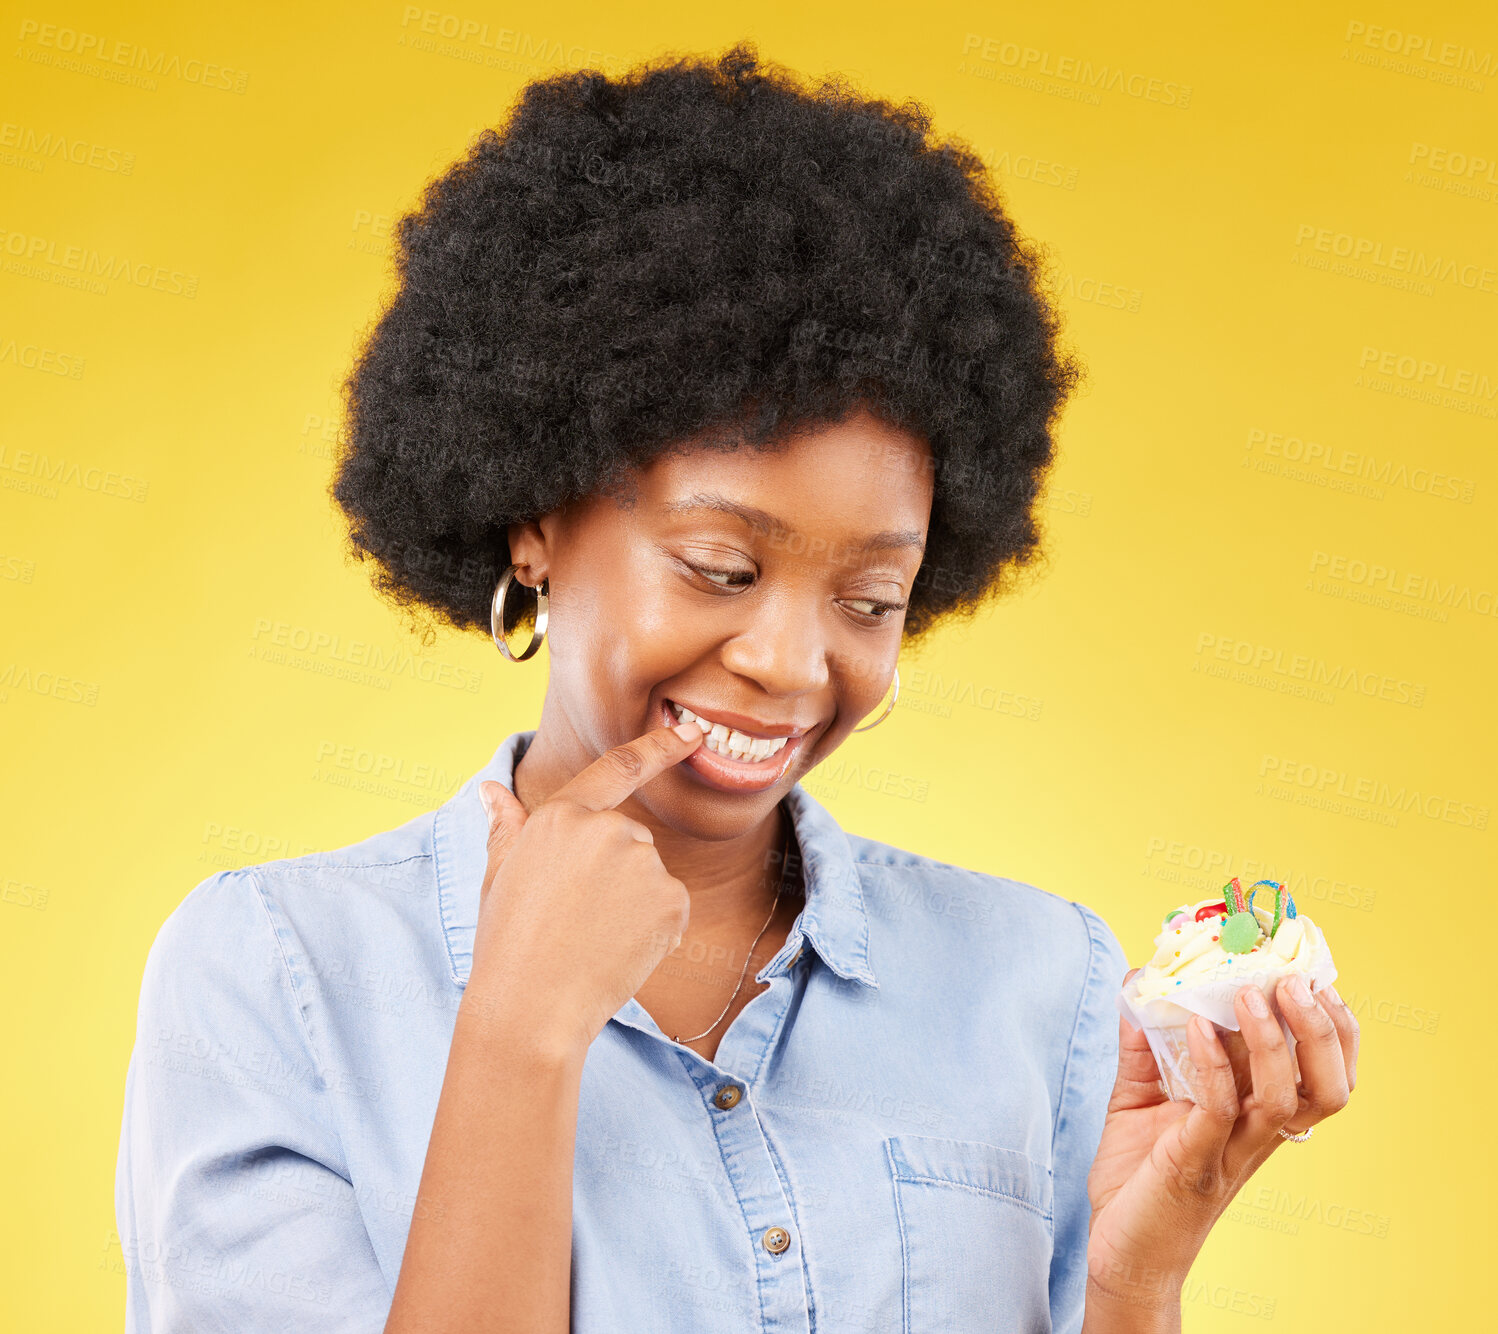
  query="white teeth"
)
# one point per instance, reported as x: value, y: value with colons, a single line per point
x: 727, y: 741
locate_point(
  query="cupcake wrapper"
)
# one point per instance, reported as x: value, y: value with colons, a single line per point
x: 1164, y: 1021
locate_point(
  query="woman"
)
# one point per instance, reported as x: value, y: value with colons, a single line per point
x: 726, y: 389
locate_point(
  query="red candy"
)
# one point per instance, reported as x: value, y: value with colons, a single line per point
x: 1209, y: 909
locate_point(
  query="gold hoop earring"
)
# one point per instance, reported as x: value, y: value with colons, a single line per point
x: 887, y: 707
x: 501, y: 624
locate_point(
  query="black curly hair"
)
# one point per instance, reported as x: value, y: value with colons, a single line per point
x: 696, y: 253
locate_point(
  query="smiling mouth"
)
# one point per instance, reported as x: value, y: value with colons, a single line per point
x: 729, y: 742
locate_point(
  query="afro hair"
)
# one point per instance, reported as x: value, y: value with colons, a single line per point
x: 696, y: 253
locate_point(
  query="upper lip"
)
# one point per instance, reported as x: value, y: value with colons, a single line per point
x: 741, y: 722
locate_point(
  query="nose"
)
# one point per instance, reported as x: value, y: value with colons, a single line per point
x: 783, y: 649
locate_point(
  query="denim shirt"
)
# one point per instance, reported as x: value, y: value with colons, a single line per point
x: 894, y: 1136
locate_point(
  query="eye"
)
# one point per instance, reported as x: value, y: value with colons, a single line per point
x: 882, y: 610
x: 878, y: 612
x: 745, y: 575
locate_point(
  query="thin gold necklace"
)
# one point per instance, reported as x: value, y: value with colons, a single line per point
x: 779, y: 889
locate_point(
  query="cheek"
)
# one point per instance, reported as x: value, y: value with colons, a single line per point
x: 616, y: 642
x: 866, y: 682
x: 656, y: 642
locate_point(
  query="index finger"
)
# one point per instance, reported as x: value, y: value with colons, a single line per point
x: 616, y: 773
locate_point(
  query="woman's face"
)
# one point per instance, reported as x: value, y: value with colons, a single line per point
x: 763, y: 590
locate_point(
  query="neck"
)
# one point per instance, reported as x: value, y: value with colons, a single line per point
x: 731, y: 880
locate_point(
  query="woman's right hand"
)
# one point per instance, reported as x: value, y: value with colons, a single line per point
x: 576, y: 909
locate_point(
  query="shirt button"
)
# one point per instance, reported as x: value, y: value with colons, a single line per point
x: 727, y: 1096
x: 776, y: 1240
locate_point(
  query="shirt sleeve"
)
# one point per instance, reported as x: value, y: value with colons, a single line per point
x: 1086, y: 1087
x: 234, y: 1206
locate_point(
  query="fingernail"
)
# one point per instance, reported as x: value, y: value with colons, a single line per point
x: 1336, y: 999
x: 1301, y: 992
x: 1254, y: 999
x: 688, y: 730
x: 488, y: 803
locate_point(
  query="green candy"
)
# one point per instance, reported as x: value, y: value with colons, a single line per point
x: 1239, y: 933
x: 1177, y: 912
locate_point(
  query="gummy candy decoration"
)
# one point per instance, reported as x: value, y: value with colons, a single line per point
x: 1232, y: 894
x: 1284, y: 904
x: 1240, y: 933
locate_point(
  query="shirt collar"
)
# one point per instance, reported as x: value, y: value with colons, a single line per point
x: 834, y: 922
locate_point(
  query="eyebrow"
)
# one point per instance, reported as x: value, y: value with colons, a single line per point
x: 884, y: 540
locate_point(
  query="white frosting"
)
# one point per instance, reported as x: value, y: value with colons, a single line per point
x: 1188, y: 952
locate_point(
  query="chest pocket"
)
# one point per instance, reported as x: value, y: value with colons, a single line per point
x: 976, y: 1232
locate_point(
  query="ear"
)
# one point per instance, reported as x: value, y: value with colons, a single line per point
x: 530, y: 549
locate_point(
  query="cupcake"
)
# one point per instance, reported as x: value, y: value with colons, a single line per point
x: 1205, y: 952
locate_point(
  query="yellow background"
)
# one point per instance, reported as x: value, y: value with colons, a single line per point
x: 1086, y: 737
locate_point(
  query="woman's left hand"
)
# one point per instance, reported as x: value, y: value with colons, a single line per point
x: 1165, y: 1171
